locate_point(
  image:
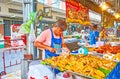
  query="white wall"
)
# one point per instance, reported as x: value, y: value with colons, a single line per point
x: 1, y: 19
x: 4, y: 10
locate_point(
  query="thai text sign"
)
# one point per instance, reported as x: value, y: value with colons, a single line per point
x: 76, y: 12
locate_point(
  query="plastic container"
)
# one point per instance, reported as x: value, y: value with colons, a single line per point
x: 83, y: 50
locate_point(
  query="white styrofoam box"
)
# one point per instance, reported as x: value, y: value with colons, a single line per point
x: 7, y: 57
x: 13, y: 57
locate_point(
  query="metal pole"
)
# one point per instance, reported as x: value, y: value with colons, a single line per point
x: 28, y: 7
x: 34, y: 49
x: 25, y: 62
x: 24, y: 69
x: 24, y: 65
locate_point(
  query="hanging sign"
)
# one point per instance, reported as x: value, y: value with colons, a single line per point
x: 107, y: 22
x: 77, y: 13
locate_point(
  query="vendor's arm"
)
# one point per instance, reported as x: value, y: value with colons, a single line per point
x: 43, y: 46
x: 42, y: 42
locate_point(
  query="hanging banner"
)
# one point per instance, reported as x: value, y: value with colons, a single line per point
x: 76, y: 12
x: 107, y: 22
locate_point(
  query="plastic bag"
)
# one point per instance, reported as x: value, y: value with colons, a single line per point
x: 40, y: 72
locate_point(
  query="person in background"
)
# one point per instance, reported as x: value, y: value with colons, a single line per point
x: 94, y: 34
x: 118, y: 31
x: 103, y: 34
x: 82, y: 36
x: 52, y: 39
x: 45, y: 28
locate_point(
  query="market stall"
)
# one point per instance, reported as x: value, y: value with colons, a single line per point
x: 81, y: 63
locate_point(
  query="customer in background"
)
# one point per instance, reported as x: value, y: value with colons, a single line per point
x: 118, y: 32
x: 83, y: 36
x: 94, y: 34
x: 103, y: 34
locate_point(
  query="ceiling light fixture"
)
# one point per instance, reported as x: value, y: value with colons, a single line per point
x: 104, y: 6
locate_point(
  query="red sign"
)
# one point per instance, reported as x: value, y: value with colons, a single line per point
x: 76, y: 12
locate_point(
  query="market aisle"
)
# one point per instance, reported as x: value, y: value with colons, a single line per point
x: 13, y: 75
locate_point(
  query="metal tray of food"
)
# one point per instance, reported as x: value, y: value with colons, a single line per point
x: 86, y: 69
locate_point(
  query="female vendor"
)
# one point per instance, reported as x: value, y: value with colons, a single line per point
x: 52, y: 39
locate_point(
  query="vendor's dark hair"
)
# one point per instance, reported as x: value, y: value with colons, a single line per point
x: 95, y: 26
x: 61, y: 23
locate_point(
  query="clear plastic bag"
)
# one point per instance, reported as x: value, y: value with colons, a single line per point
x: 40, y: 72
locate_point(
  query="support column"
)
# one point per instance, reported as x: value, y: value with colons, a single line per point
x: 29, y: 55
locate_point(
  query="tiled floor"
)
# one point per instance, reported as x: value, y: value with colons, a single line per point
x: 13, y: 75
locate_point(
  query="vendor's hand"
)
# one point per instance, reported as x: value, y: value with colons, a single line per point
x: 53, y: 50
x: 66, y: 50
